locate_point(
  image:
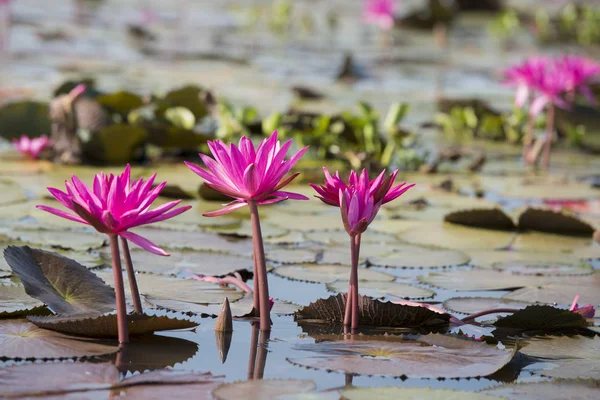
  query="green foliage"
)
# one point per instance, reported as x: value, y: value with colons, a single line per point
x: 24, y: 118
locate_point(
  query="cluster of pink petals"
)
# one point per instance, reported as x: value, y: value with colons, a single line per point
x: 246, y: 173
x: 586, y: 311
x: 549, y: 79
x: 359, y: 199
x: 31, y: 147
x: 380, y: 13
x: 114, y: 205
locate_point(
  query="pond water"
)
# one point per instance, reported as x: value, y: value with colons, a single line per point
x: 408, y: 253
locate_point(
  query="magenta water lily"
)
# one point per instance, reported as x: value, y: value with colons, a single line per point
x: 359, y: 201
x: 251, y: 176
x: 546, y: 83
x: 112, y: 206
x: 380, y: 13
x: 31, y: 147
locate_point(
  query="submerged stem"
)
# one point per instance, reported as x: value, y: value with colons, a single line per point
x: 119, y: 290
x: 261, y: 359
x: 486, y: 312
x: 253, y: 348
x: 261, y: 287
x: 133, y: 287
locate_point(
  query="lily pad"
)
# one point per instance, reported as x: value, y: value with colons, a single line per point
x: 488, y: 218
x: 430, y: 356
x: 188, y: 97
x: 244, y: 229
x: 550, y: 221
x: 471, y: 305
x: 407, y: 256
x: 121, y: 102
x: 394, y: 393
x: 105, y: 326
x: 466, y: 280
x: 550, y: 243
x: 543, y: 318
x: 489, y: 258
x: 340, y: 237
x: 11, y: 193
x: 572, y: 357
x: 116, y: 144
x: 542, y: 268
x: 328, y: 273
x: 373, y: 313
x: 457, y: 237
x: 21, y: 339
x: 239, y: 309
x: 24, y: 117
x: 197, y: 262
x: 291, y: 255
x: 555, y: 390
x: 14, y: 302
x: 560, y: 292
x: 382, y: 289
x: 80, y: 240
x: 263, y: 389
x: 187, y: 290
x: 543, y: 187
x: 64, y: 285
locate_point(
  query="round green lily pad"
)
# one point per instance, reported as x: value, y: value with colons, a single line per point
x: 394, y: 393
x: 327, y: 273
x: 263, y: 389
x: 407, y: 256
x: 457, y: 237
x: 382, y: 289
x: 471, y: 305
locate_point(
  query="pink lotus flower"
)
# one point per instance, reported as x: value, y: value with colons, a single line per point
x: 249, y: 174
x: 31, y: 147
x: 524, y: 76
x: 115, y: 205
x: 380, y: 13
x: 586, y: 311
x: 359, y: 201
x: 579, y: 71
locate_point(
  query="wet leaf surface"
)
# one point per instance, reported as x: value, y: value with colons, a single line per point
x: 22, y: 339
x: 431, y: 356
x: 457, y: 237
x: 382, y: 289
x: 406, y: 256
x: 262, y: 389
x: 492, y: 218
x: 372, y: 313
x: 14, y: 303
x: 81, y: 240
x: 555, y: 390
x: 329, y: 273
x: 64, y: 285
x: 471, y: 305
x: 560, y: 293
x: 542, y: 268
x: 542, y: 318
x: 105, y: 326
x: 561, y: 222
x: 392, y: 393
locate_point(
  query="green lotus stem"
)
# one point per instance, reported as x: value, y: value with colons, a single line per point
x: 487, y: 312
x: 119, y: 290
x: 353, y: 294
x: 135, y: 294
x: 261, y: 288
x: 528, y: 139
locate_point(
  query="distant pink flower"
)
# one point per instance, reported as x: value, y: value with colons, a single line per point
x: 380, y: 13
x: 578, y: 72
x: 523, y: 77
x: 586, y: 311
x: 31, y: 147
x: 115, y: 205
x: 248, y: 174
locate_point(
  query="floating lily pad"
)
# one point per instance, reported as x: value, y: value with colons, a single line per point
x: 64, y: 285
x: 406, y: 256
x: 556, y: 390
x: 81, y: 240
x: 290, y: 238
x: 550, y: 243
x: 11, y: 193
x: 487, y: 218
x: 187, y: 290
x: 382, y: 289
x: 263, y: 389
x: 572, y: 357
x: 14, y: 302
x: 306, y: 223
x: 394, y: 393
x: 543, y: 268
x: 56, y: 378
x: 181, y: 117
x: 186, y: 96
x: 544, y: 187
x: 21, y: 339
x: 116, y: 144
x: 560, y: 292
x: 471, y: 305
x: 431, y: 356
x: 373, y: 313
x: 542, y: 318
x: 240, y: 308
x: 197, y: 262
x: 24, y: 117
x: 489, y: 258
x: 121, y: 102
x: 458, y: 237
x: 328, y: 273
x: 105, y: 326
x: 245, y: 230
x: 291, y: 255
x: 561, y: 222
x: 340, y: 237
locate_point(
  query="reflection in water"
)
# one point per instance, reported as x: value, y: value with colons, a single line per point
x: 223, y: 341
x: 258, y: 352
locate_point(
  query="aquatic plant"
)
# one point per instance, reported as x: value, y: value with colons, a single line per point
x: 251, y: 176
x: 550, y: 83
x: 113, y: 206
x: 31, y: 147
x: 586, y: 311
x: 359, y: 201
x: 380, y: 13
